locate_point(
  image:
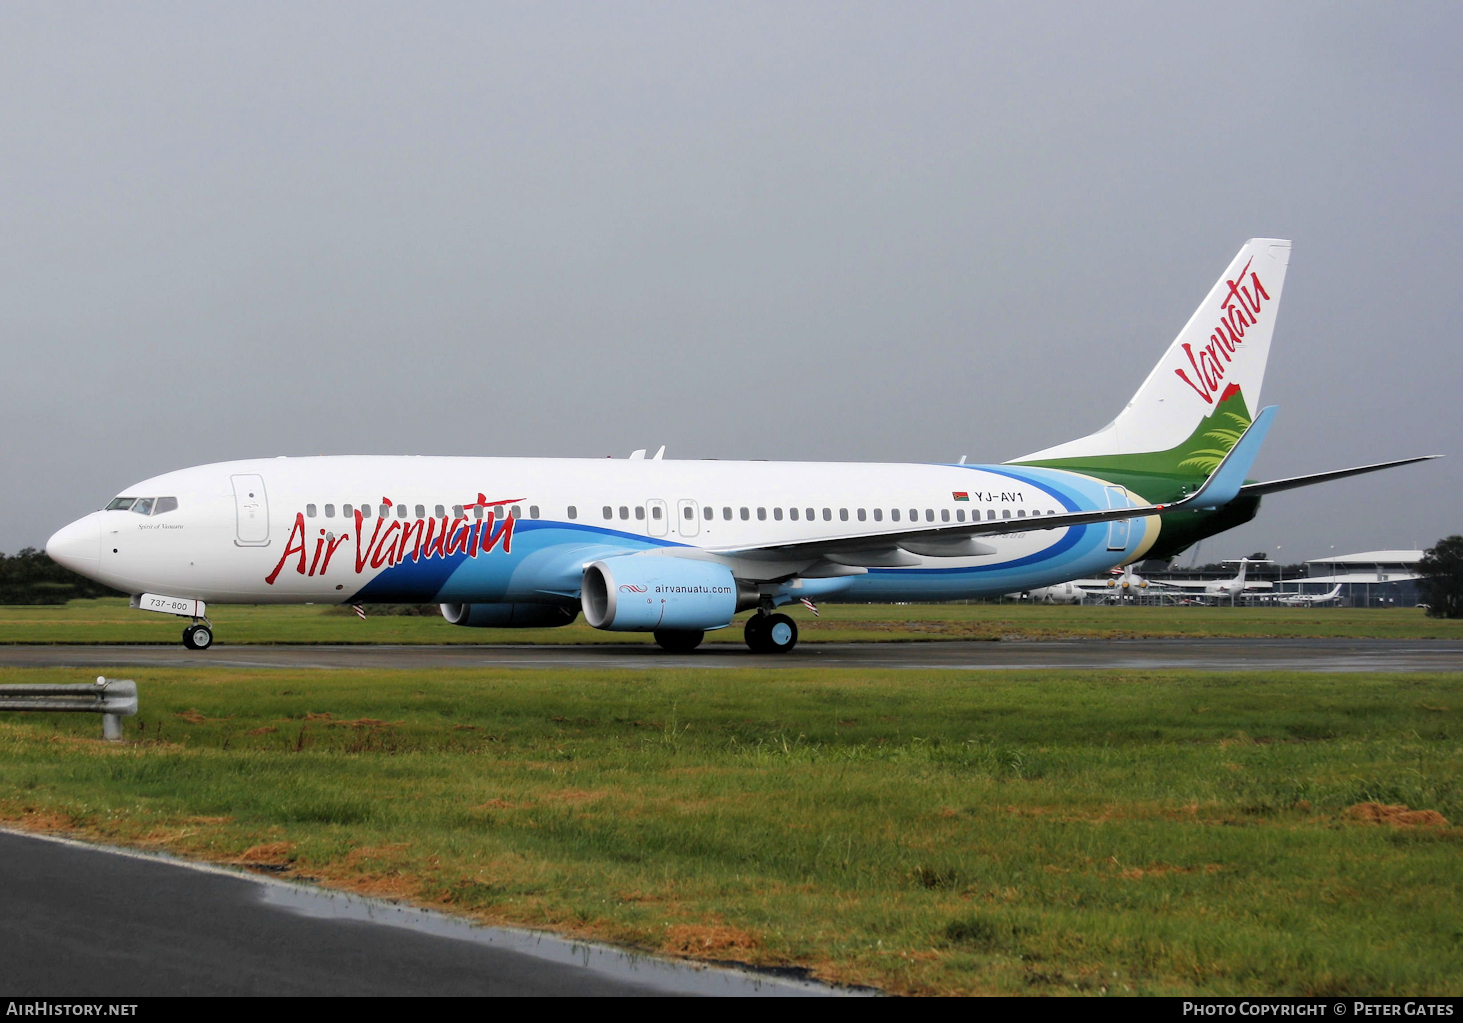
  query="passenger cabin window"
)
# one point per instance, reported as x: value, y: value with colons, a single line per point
x: 792, y: 513
x: 862, y: 515
x: 929, y: 515
x: 624, y: 511
x: 811, y: 515
x: 477, y: 511
x: 990, y: 513
x: 518, y: 511
x: 347, y: 510
x: 441, y: 512
x: 959, y: 514
x: 143, y: 506
x: 777, y: 514
x: 421, y: 511
x: 1005, y: 513
x: 365, y: 511
x: 893, y: 514
x: 533, y: 511
x: 726, y: 514
x: 609, y: 512
x: 640, y: 512
x: 914, y: 515
x: 401, y: 511
x: 330, y: 511
x: 309, y: 511
x: 1021, y: 513
x: 167, y: 504
x: 761, y: 514
x: 708, y: 512
x: 878, y: 514
x: 690, y: 513
x: 457, y: 512
x: 120, y: 503
x: 573, y: 512
x: 386, y: 511
x: 746, y: 514
x: 944, y: 514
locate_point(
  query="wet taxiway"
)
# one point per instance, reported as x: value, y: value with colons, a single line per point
x: 1323, y: 655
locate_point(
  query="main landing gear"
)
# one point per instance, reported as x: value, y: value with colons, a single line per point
x: 677, y: 641
x: 198, y: 636
x: 771, y: 633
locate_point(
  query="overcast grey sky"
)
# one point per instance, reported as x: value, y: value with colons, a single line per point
x: 788, y: 230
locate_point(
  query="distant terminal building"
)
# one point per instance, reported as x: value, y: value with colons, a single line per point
x: 1368, y: 579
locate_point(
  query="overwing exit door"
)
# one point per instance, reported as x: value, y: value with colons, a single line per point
x: 659, y: 524
x: 688, y: 517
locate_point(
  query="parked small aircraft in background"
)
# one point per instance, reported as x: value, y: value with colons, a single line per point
x: 1128, y: 583
x: 1310, y: 599
x: 1061, y: 593
x: 1221, y: 588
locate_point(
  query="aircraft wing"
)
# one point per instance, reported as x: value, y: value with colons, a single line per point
x: 1275, y: 486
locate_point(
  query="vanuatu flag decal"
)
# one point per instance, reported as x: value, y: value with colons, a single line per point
x: 961, y: 495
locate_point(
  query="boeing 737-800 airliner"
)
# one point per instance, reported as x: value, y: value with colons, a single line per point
x: 678, y: 548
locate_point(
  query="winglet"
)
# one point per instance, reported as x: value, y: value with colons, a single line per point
x: 1224, y: 484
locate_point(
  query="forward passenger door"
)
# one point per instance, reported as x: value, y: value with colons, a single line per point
x: 251, y: 509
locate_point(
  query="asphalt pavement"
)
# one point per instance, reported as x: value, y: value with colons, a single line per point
x: 81, y: 920
x: 1324, y: 655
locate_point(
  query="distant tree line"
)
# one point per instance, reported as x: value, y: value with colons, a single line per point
x: 30, y: 577
x: 1441, y: 585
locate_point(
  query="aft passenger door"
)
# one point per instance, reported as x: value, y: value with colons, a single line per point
x: 659, y: 522
x: 688, y: 517
x: 251, y: 508
x: 1117, y: 532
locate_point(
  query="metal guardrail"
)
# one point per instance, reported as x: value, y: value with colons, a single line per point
x: 113, y: 699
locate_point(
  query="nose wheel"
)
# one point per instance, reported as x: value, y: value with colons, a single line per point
x: 198, y: 636
x: 771, y: 634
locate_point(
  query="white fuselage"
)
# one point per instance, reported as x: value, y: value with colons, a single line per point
x: 433, y: 528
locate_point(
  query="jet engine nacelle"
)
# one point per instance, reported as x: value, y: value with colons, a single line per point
x: 509, y: 616
x: 646, y: 593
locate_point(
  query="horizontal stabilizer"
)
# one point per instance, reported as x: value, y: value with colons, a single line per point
x: 1275, y: 486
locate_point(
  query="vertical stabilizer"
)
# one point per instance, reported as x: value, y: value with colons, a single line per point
x: 1196, y: 402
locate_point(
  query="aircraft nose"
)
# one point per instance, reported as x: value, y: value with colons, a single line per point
x: 77, y: 546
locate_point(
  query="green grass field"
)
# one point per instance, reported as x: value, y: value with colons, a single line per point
x: 926, y: 833
x: 112, y: 621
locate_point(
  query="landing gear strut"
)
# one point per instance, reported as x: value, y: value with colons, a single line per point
x: 198, y: 636
x: 771, y: 633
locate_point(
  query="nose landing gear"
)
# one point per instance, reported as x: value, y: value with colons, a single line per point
x: 198, y: 636
x: 771, y: 633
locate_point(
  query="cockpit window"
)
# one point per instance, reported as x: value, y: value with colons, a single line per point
x: 165, y: 504
x: 143, y: 506
x: 120, y: 503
